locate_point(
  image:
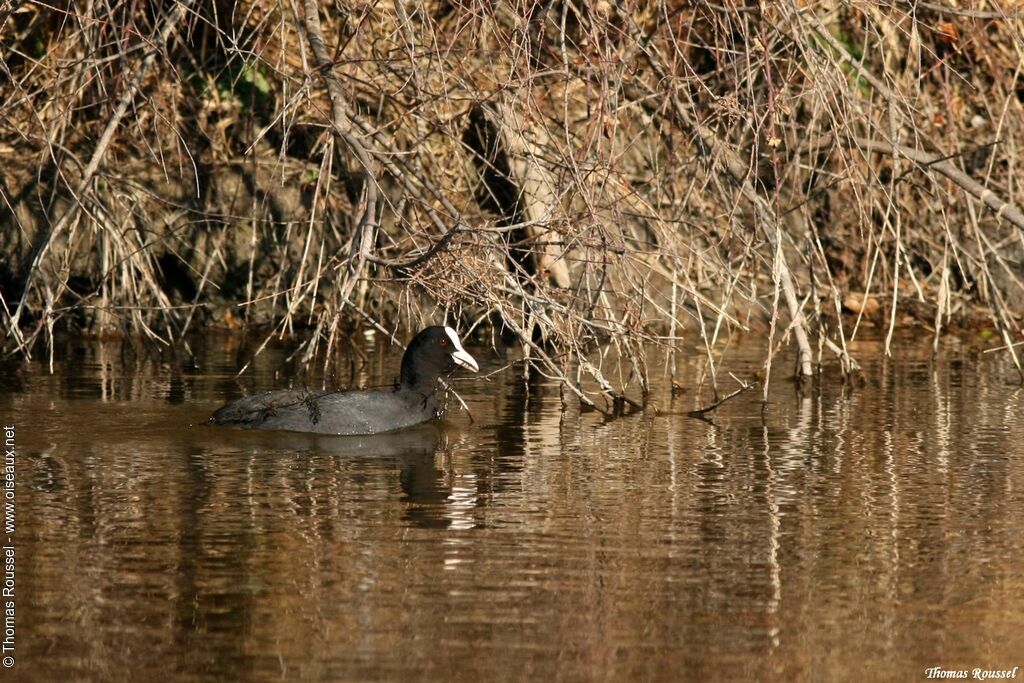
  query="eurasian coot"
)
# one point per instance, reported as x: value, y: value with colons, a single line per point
x: 435, y: 351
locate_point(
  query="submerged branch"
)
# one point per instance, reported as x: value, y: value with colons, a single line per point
x: 702, y: 412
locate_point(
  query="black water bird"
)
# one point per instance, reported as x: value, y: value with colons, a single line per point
x: 434, y: 352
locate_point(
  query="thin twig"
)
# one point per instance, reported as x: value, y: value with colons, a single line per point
x: 744, y: 386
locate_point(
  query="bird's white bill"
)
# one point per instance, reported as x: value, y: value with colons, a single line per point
x: 459, y: 354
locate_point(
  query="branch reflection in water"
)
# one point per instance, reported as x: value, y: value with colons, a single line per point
x: 876, y: 528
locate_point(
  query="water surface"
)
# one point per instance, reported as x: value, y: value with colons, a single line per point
x: 863, y: 532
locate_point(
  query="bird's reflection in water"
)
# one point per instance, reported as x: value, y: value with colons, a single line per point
x: 421, y: 454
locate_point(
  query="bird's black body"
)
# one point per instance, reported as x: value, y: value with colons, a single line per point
x: 432, y: 353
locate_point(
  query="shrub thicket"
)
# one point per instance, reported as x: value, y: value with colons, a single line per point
x: 570, y: 173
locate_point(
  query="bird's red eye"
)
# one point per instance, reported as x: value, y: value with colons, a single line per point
x: 443, y: 342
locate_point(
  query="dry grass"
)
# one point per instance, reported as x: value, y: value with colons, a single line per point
x: 573, y: 174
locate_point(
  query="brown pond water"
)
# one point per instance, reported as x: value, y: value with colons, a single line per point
x: 845, y: 534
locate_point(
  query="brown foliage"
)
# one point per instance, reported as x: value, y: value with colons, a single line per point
x: 575, y: 173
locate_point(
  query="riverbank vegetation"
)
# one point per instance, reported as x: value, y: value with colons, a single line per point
x: 563, y: 175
